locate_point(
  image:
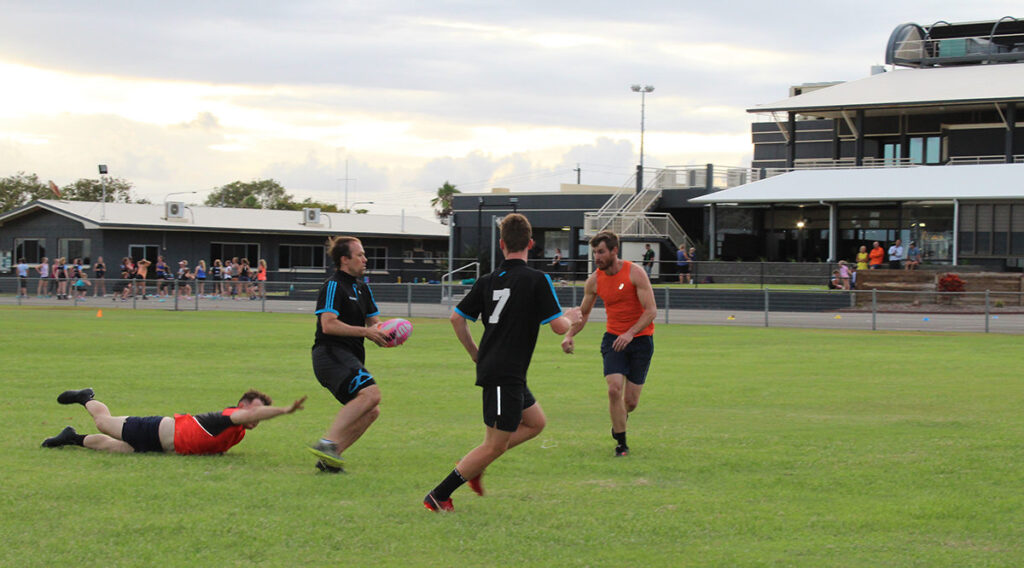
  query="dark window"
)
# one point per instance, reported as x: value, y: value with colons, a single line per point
x: 301, y: 256
x: 376, y: 258
x: 227, y: 251
x: 32, y: 250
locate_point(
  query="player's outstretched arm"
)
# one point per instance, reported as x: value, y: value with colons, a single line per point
x: 331, y: 325
x: 461, y: 327
x: 255, y: 415
x: 589, y: 299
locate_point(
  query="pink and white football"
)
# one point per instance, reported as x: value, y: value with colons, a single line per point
x: 398, y: 331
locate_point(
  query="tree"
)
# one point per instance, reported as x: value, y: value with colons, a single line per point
x: 119, y: 190
x: 442, y: 204
x: 19, y: 189
x: 259, y: 194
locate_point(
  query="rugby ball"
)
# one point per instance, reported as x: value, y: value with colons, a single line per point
x: 398, y: 331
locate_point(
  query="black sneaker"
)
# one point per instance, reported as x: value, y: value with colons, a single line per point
x: 324, y: 468
x: 80, y: 396
x: 621, y: 451
x: 65, y: 438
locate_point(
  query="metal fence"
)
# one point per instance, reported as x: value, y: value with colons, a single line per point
x: 989, y: 312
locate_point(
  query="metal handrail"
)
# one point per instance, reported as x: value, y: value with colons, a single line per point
x: 450, y: 275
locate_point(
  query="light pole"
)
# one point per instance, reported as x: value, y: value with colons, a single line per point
x: 800, y: 239
x: 643, y: 108
x: 178, y: 193
x: 103, y: 183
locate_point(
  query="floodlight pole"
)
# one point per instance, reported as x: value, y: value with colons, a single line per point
x: 103, y: 184
x: 643, y: 108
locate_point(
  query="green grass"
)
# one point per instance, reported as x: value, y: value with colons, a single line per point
x: 751, y: 447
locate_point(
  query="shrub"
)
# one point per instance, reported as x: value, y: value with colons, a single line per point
x: 951, y: 283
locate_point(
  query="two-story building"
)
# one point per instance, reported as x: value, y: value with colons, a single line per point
x: 930, y: 150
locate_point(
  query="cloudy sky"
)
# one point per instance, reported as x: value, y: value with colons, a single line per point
x: 188, y: 96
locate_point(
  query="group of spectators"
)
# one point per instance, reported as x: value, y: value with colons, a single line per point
x: 63, y: 279
x: 234, y: 278
x: 899, y: 258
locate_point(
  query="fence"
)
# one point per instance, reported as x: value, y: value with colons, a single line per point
x: 995, y: 312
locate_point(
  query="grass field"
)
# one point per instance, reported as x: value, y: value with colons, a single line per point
x: 751, y: 447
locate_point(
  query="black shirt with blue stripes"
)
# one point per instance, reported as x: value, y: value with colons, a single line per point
x: 513, y: 302
x: 352, y: 301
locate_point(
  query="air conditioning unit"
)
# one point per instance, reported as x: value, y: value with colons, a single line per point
x: 174, y: 210
x: 311, y: 216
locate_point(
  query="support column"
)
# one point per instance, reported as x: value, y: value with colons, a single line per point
x: 1011, y: 123
x: 956, y: 230
x: 791, y: 143
x: 904, y: 139
x: 859, y: 145
x: 833, y: 230
x: 713, y: 233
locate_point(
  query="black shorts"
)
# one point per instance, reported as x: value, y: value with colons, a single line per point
x: 340, y: 372
x: 633, y: 361
x: 504, y: 405
x: 685, y: 269
x: 143, y: 433
x: 22, y: 282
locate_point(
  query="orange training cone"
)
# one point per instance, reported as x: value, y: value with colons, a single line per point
x: 99, y: 313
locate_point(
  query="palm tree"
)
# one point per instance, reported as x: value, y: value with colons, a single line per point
x: 442, y: 204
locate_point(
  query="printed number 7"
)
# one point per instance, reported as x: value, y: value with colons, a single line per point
x: 502, y: 297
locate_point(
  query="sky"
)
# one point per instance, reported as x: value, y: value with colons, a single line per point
x: 384, y: 101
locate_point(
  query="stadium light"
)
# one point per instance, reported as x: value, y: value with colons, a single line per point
x: 643, y: 105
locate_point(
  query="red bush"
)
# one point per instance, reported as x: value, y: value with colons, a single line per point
x: 951, y: 283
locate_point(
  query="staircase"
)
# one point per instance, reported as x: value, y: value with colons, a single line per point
x: 629, y: 215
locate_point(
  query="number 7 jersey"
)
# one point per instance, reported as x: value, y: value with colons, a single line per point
x: 513, y: 302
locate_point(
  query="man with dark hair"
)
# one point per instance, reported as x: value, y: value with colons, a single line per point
x: 210, y: 433
x: 513, y: 302
x: 628, y: 342
x: 346, y: 314
x: 648, y: 259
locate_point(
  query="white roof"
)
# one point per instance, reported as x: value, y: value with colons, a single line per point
x: 146, y: 216
x: 911, y: 87
x: 923, y: 183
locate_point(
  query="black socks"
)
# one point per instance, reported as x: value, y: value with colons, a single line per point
x: 444, y: 490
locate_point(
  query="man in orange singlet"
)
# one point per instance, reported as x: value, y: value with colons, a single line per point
x: 628, y: 342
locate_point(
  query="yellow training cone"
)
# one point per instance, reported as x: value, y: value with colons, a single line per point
x: 731, y: 318
x: 838, y: 317
x: 99, y: 313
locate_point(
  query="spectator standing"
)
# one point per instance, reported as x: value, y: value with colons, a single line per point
x: 862, y: 258
x: 876, y: 256
x: 896, y: 255
x: 184, y: 277
x: 201, y: 278
x: 22, y: 268
x: 141, y: 271
x: 261, y: 279
x: 99, y: 272
x: 163, y: 275
x: 61, y: 273
x: 245, y: 279
x: 913, y: 257
x: 217, y: 277
x: 648, y: 260
x: 683, y: 264
x: 44, y: 277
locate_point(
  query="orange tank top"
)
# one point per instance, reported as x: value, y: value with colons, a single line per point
x: 621, y: 304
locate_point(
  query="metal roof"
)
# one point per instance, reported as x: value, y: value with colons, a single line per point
x: 923, y: 183
x: 971, y: 84
x: 226, y: 219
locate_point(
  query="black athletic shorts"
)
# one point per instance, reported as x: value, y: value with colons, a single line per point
x: 504, y: 405
x: 143, y: 433
x: 340, y: 372
x: 633, y: 361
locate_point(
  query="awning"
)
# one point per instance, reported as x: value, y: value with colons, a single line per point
x: 968, y: 85
x: 922, y: 183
